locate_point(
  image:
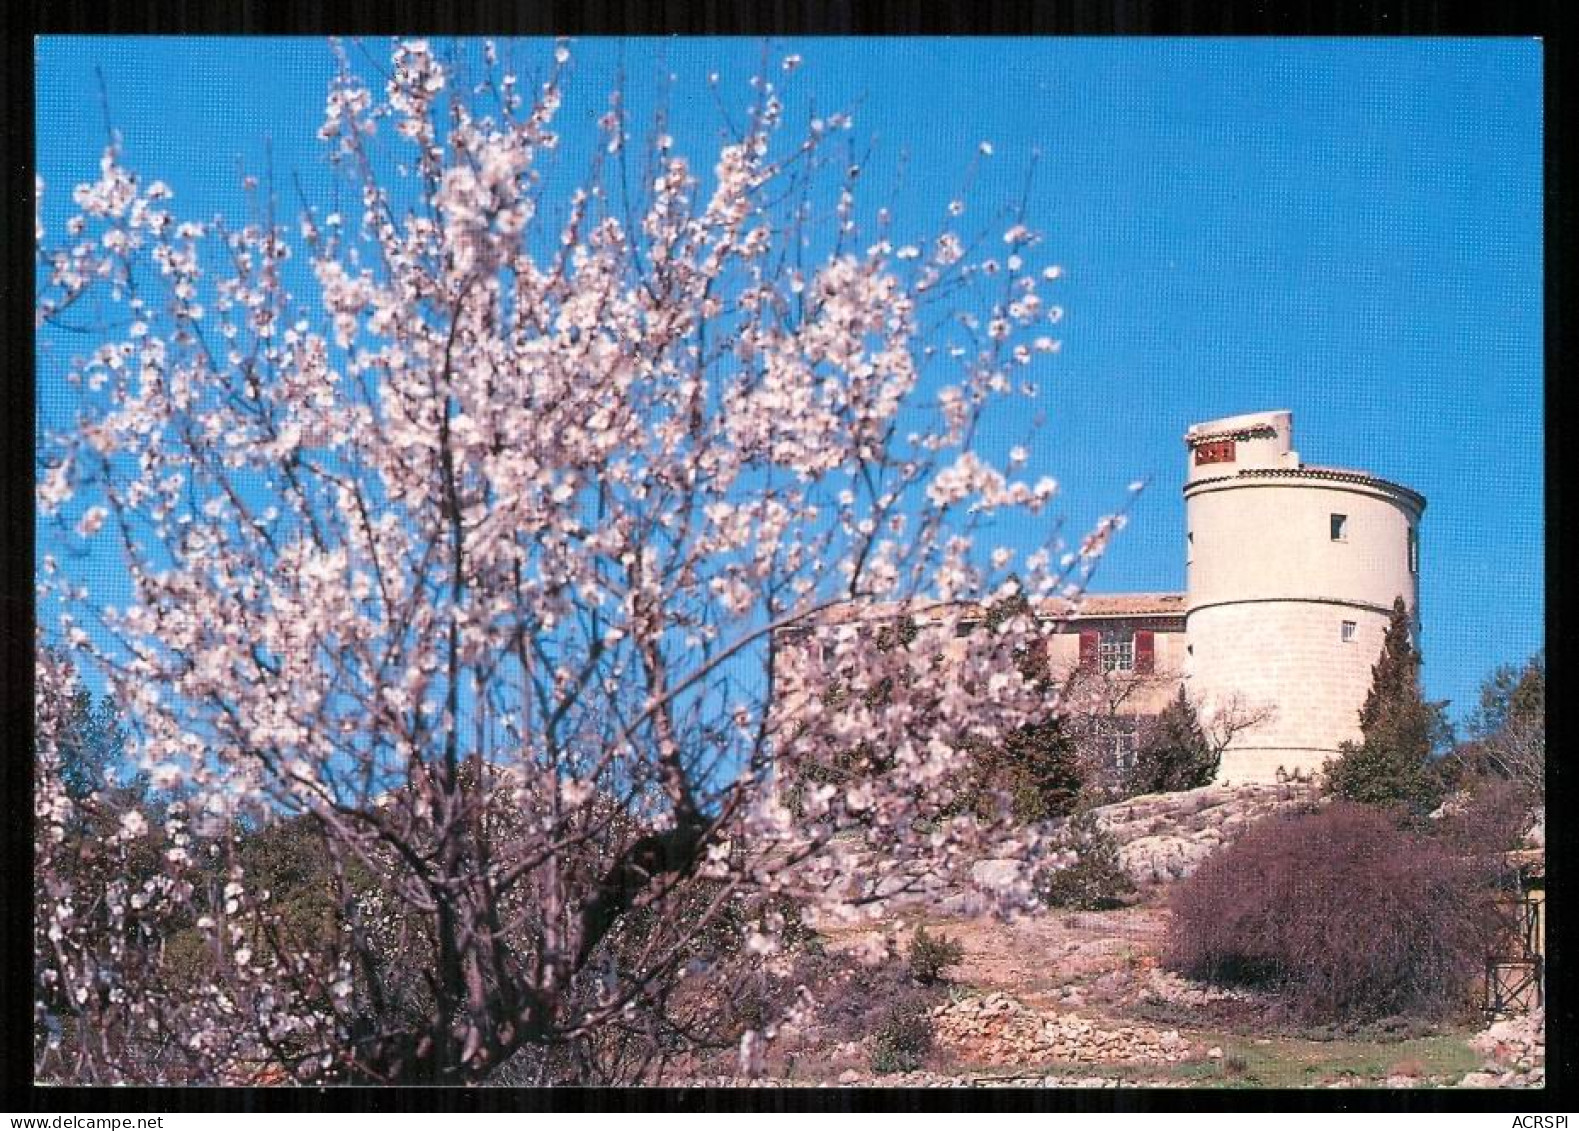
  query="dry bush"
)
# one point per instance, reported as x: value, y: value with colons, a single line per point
x: 1489, y: 815
x: 880, y: 1004
x: 1347, y: 916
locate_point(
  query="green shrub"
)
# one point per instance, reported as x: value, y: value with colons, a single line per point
x: 1174, y: 753
x: 1394, y: 764
x: 930, y: 955
x: 1096, y: 880
x: 1034, y: 774
x: 903, y: 1036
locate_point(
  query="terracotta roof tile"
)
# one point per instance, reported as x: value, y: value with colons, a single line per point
x: 1088, y: 606
x: 1130, y: 604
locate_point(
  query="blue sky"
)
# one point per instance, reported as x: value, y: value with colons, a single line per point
x: 1347, y: 229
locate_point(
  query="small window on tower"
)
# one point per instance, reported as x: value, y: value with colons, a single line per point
x: 1189, y: 547
x: 1340, y: 528
x: 1349, y: 629
x: 1414, y: 550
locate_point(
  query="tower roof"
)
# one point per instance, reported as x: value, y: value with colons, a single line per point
x: 1309, y: 471
x: 1247, y: 425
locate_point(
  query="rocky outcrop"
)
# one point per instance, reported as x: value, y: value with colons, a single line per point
x: 1515, y: 1052
x: 1165, y: 836
x: 1162, y: 837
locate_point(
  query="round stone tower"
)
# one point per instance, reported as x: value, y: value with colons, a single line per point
x: 1292, y: 572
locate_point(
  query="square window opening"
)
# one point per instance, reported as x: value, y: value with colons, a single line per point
x: 1117, y: 651
x: 1126, y: 744
x: 1349, y: 630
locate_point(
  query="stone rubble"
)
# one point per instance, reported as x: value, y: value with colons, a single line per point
x: 925, y: 1079
x: 1020, y: 1047
x: 1165, y: 986
x: 997, y: 1029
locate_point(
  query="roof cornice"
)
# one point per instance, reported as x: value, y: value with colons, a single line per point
x: 1327, y: 474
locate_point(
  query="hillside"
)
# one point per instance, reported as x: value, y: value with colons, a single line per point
x: 1053, y: 998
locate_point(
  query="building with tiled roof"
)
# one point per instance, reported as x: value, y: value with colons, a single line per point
x: 1291, y: 574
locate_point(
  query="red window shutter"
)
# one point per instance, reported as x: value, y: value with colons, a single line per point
x: 1088, y: 650
x: 1145, y: 652
x: 1217, y: 451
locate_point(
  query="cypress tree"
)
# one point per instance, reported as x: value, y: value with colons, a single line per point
x: 1174, y: 754
x: 1392, y: 765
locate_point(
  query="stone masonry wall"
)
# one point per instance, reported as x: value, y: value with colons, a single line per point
x: 1288, y: 658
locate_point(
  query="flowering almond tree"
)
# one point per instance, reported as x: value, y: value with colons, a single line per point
x: 471, y: 566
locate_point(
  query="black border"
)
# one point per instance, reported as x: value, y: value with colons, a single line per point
x: 1544, y: 19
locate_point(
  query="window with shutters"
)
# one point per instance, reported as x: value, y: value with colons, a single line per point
x: 1145, y: 652
x: 1117, y: 650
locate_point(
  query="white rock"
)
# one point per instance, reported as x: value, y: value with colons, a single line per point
x: 997, y: 875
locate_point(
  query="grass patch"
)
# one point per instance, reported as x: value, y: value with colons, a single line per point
x: 1284, y: 1063
x: 1291, y: 1063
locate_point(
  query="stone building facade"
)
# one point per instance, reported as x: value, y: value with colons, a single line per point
x: 1291, y: 574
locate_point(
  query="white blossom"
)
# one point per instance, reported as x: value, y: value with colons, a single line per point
x: 466, y: 566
